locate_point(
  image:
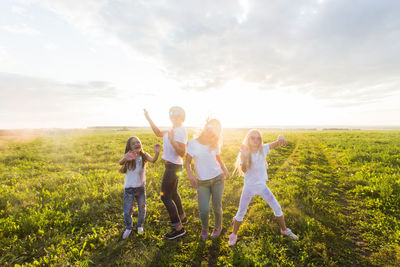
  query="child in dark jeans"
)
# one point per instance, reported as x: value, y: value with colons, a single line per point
x: 133, y: 165
x: 174, y: 149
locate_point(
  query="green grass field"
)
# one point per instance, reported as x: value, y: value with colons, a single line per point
x: 61, y: 199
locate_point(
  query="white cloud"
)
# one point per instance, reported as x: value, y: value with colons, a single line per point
x: 18, y: 10
x: 20, y: 29
x: 25, y: 94
x: 4, y: 57
x: 51, y: 46
x: 317, y: 46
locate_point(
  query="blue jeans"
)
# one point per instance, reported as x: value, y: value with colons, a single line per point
x: 129, y: 195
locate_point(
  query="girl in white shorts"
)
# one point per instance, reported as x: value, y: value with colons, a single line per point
x: 251, y: 163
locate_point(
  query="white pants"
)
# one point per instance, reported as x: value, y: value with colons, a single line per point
x: 260, y: 189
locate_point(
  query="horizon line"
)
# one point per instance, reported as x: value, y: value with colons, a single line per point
x: 311, y: 126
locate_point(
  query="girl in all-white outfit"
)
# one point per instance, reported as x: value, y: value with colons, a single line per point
x: 251, y: 162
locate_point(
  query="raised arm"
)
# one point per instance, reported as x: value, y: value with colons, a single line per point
x: 223, y: 167
x: 157, y: 149
x: 280, y: 142
x: 188, y: 167
x: 155, y: 129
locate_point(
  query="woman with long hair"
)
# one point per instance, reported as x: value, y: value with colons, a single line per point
x: 209, y: 176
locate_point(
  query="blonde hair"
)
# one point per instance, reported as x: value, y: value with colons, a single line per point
x: 216, y: 141
x: 246, y: 142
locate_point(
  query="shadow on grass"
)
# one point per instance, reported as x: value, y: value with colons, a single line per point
x: 238, y: 256
x: 198, y: 254
x: 198, y: 258
x: 214, y: 251
x: 107, y: 256
x: 165, y: 254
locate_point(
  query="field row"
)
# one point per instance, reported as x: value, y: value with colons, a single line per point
x: 61, y: 202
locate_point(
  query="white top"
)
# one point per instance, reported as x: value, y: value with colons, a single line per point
x: 205, y: 160
x: 257, y: 174
x: 169, y: 152
x: 135, y: 178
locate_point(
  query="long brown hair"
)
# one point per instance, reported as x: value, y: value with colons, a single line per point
x: 246, y: 142
x: 212, y: 141
x: 131, y: 164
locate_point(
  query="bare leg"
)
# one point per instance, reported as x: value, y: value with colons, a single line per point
x: 281, y: 222
x: 236, y: 225
x: 267, y: 195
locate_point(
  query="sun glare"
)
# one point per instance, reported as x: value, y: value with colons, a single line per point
x: 241, y: 104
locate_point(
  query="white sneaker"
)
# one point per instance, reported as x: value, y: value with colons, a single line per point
x: 232, y: 239
x: 290, y: 234
x: 126, y: 233
x: 140, y: 230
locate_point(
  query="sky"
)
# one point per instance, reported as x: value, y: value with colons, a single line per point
x: 76, y: 64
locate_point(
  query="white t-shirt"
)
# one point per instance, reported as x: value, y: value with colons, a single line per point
x: 135, y: 178
x: 257, y: 174
x: 205, y: 161
x: 169, y: 153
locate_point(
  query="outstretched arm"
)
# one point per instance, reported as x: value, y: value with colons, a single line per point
x: 157, y: 149
x: 280, y: 142
x: 155, y: 129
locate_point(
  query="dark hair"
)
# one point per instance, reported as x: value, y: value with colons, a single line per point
x: 131, y: 164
